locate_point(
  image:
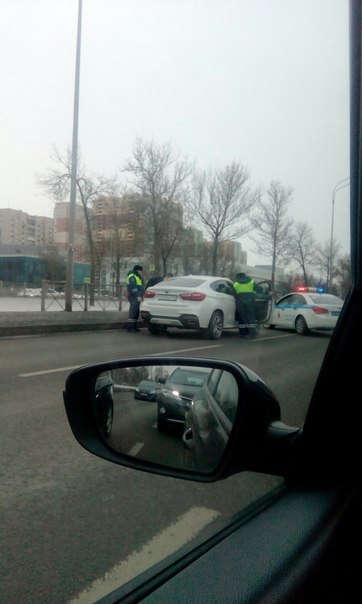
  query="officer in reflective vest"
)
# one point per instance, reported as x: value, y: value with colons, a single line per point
x: 244, y: 288
x: 135, y: 291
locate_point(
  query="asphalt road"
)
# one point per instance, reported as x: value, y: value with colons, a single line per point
x: 74, y: 526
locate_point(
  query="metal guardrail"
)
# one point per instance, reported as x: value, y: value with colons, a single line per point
x: 91, y: 297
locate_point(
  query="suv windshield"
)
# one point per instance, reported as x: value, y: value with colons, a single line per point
x: 188, y: 378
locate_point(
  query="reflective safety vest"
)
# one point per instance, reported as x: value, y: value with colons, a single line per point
x: 137, y: 278
x: 244, y: 288
x: 135, y: 285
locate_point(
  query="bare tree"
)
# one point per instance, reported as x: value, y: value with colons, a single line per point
x: 326, y: 266
x: 56, y: 182
x: 160, y: 176
x: 273, y: 227
x: 220, y: 200
x: 303, y: 249
x: 344, y: 275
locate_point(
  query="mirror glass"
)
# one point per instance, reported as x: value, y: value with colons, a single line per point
x: 174, y: 415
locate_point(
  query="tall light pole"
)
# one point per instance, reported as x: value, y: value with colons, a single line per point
x: 340, y: 185
x: 73, y: 180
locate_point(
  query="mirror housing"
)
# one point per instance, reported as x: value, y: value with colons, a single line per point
x: 257, y: 439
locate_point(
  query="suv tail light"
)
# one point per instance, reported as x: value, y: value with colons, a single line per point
x: 194, y: 296
x: 149, y: 294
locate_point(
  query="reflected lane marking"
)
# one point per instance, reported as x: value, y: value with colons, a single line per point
x: 135, y: 449
x: 165, y: 543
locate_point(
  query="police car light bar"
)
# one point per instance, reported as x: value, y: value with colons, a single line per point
x: 312, y: 290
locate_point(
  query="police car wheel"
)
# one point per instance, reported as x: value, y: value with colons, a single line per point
x: 301, y: 326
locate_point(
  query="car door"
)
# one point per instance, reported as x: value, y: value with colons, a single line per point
x: 209, y: 419
x: 263, y: 300
x: 283, y: 311
x: 295, y: 304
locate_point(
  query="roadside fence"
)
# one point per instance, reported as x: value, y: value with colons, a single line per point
x: 52, y: 293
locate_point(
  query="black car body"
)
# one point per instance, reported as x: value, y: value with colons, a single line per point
x: 209, y: 419
x: 103, y: 402
x: 146, y: 391
x: 176, y: 394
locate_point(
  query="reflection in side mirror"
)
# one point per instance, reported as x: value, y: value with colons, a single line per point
x: 178, y: 416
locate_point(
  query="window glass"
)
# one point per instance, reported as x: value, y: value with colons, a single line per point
x: 227, y: 395
x: 298, y: 300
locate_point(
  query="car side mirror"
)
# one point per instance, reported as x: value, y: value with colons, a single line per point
x: 200, y: 419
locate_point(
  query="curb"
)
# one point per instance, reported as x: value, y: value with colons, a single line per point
x: 21, y: 324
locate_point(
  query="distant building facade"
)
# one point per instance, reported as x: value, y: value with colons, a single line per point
x: 118, y: 226
x: 19, y: 228
x: 61, y: 230
x: 34, y: 247
x: 233, y: 252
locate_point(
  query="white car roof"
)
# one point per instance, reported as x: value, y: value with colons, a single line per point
x: 203, y: 278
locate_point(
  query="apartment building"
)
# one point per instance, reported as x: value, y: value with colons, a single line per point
x: 233, y: 252
x: 118, y: 226
x: 19, y: 228
x: 61, y: 231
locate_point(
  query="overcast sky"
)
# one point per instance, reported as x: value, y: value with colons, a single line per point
x: 262, y: 82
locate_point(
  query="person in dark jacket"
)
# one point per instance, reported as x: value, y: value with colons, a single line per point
x: 244, y: 288
x: 153, y: 281
x: 135, y: 291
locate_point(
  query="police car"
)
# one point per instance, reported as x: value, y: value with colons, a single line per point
x: 306, y: 309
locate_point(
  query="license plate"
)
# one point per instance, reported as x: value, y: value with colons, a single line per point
x: 167, y: 297
x: 335, y: 313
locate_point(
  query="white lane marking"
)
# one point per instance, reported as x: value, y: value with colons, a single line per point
x: 160, y: 354
x: 45, y: 371
x: 156, y: 354
x: 59, y: 369
x: 270, y: 338
x: 135, y: 449
x: 167, y: 542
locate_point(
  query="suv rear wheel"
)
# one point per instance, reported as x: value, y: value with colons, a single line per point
x: 215, y: 328
x: 157, y: 330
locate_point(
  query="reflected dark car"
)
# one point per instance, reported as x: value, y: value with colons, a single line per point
x: 209, y: 419
x: 103, y: 400
x: 175, y: 394
x: 146, y: 390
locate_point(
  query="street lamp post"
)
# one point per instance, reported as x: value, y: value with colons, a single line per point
x: 73, y: 180
x: 340, y: 185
